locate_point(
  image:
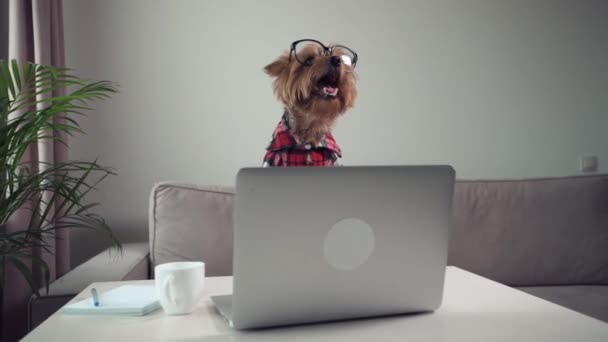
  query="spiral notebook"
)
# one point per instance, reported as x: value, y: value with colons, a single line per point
x: 128, y: 300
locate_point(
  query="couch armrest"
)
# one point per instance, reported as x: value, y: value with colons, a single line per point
x: 132, y: 264
x: 109, y: 265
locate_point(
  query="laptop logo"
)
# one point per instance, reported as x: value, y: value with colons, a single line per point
x: 348, y: 244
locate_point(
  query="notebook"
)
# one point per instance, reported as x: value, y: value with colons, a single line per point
x: 130, y: 300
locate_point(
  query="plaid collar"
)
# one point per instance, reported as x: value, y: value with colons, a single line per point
x: 283, y: 139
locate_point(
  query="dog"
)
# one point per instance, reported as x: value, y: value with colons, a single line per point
x: 316, y: 84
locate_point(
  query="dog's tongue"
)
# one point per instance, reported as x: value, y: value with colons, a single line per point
x: 330, y: 91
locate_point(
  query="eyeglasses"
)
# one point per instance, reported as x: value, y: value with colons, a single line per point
x: 348, y: 56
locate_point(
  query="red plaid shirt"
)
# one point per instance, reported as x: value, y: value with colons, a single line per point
x: 285, y: 149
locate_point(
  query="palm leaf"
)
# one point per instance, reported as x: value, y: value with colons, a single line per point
x: 16, y: 74
x: 25, y: 272
x: 41, y: 101
x: 6, y: 78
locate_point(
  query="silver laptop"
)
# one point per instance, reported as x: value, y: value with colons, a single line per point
x: 325, y: 244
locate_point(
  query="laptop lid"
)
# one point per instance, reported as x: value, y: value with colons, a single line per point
x: 321, y: 244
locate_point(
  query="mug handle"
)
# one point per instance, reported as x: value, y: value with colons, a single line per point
x: 166, y: 286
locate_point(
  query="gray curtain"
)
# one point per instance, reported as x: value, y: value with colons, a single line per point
x: 3, y: 29
x: 35, y: 35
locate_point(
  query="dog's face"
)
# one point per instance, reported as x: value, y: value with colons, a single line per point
x: 315, y: 82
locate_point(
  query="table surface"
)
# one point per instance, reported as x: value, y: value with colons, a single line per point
x: 474, y: 309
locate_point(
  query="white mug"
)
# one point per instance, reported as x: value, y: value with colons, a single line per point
x: 179, y: 286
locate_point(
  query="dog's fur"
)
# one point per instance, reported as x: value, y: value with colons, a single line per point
x: 300, y: 88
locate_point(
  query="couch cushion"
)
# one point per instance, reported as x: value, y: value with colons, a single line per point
x: 589, y: 300
x: 192, y: 222
x: 532, y: 232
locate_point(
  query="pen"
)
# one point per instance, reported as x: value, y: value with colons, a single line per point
x: 94, y: 297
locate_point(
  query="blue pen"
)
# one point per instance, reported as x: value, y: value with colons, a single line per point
x: 94, y: 297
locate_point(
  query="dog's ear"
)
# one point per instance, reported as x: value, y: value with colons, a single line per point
x: 277, y: 67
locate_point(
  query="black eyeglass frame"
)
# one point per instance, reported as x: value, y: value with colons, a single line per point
x: 327, y: 51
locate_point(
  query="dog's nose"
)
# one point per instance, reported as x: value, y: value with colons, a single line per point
x: 335, y: 61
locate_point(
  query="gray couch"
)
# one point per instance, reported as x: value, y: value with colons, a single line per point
x: 547, y: 237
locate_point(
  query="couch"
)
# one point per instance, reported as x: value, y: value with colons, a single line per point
x: 547, y: 237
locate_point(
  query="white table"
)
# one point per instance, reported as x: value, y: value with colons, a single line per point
x: 474, y: 309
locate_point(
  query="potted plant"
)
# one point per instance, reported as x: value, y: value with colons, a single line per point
x: 53, y: 195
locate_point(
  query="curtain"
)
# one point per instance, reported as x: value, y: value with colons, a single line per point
x: 35, y: 35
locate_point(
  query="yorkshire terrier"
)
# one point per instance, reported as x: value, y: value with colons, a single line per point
x: 316, y: 85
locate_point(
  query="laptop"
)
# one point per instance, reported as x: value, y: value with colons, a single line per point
x: 326, y: 244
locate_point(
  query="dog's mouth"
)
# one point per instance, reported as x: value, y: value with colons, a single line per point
x: 327, y: 86
x: 330, y: 91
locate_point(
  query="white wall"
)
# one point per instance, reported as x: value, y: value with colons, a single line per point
x: 496, y: 88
